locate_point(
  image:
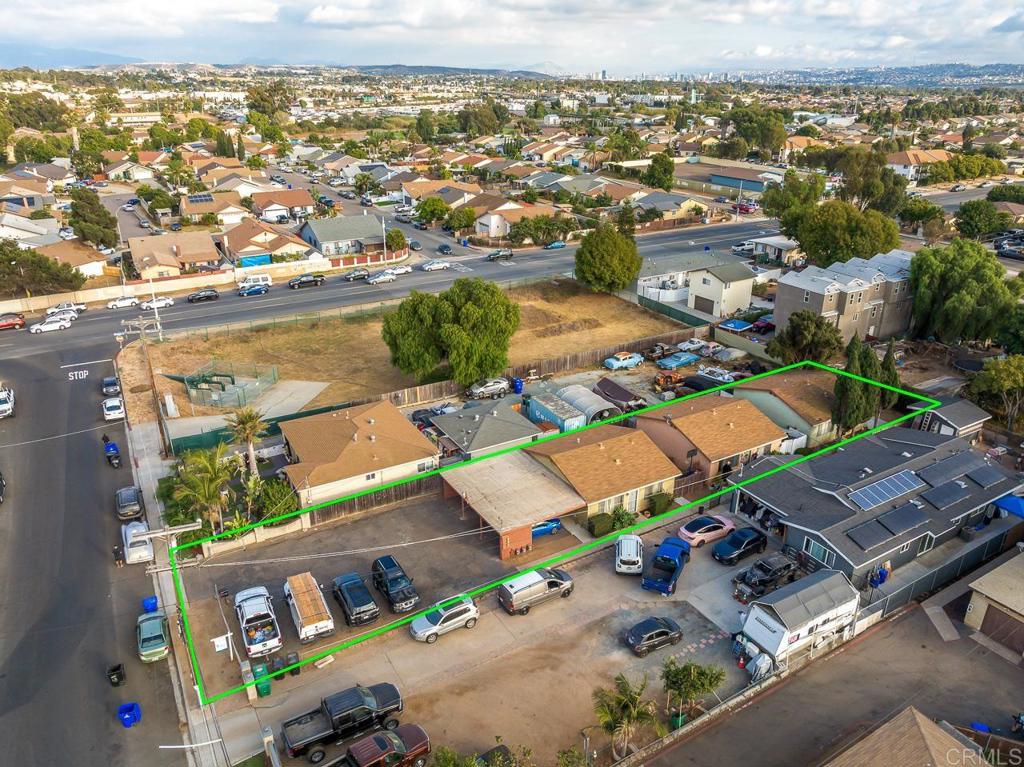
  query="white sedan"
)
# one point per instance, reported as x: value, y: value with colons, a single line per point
x: 67, y: 314
x: 136, y: 551
x: 693, y: 345
x: 128, y: 207
x: 400, y: 269
x: 158, y: 302
x: 123, y: 302
x: 435, y: 264
x: 383, y: 276
x: 50, y: 323
x: 113, y: 409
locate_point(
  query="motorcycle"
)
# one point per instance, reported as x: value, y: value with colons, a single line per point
x: 3, y: 487
x: 113, y: 454
x: 1017, y: 728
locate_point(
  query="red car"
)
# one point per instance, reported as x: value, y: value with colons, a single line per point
x: 12, y: 320
x: 405, y: 746
x: 743, y: 207
x: 704, y: 529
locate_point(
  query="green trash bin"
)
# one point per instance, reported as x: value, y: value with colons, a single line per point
x: 677, y: 720
x: 262, y: 677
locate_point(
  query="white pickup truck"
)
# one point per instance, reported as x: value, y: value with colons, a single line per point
x: 6, y: 402
x: 66, y: 306
x: 258, y: 622
x: 308, y: 607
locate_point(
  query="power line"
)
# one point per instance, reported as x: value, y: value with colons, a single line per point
x: 55, y: 436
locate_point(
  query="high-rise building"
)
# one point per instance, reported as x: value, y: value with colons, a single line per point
x: 604, y: 74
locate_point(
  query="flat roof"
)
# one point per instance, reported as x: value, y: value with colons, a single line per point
x: 1005, y: 584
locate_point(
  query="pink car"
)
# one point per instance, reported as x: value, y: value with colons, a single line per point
x: 705, y: 529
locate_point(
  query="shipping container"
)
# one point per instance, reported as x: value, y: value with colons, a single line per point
x: 548, y: 407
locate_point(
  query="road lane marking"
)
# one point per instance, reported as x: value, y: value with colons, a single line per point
x: 83, y: 364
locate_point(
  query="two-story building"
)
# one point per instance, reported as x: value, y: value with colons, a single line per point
x: 721, y: 290
x: 913, y: 164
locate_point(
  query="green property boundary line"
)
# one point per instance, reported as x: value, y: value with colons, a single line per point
x: 639, y: 526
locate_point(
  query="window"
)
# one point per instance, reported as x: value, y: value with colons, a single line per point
x: 705, y: 281
x: 371, y: 477
x: 856, y: 317
x: 818, y: 552
x: 807, y: 296
x: 831, y: 297
x: 874, y: 311
x: 904, y: 548
x: 927, y: 543
x: 425, y: 466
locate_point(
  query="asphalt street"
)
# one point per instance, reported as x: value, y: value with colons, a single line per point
x: 66, y: 613
x: 951, y: 201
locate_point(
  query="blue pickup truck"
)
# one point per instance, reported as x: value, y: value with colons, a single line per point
x: 666, y: 567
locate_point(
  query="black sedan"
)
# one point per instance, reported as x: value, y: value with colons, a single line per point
x: 306, y: 281
x: 359, y: 273
x: 652, y: 633
x: 206, y: 294
x: 444, y: 250
x: 739, y: 545
x: 415, y: 245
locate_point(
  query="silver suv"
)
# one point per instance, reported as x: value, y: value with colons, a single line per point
x: 489, y: 387
x: 462, y: 613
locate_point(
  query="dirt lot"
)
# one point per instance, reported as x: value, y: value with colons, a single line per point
x: 555, y: 318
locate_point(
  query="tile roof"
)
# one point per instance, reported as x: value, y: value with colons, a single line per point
x: 720, y: 427
x: 918, y: 157
x: 250, y: 232
x: 352, y: 442
x: 72, y: 252
x: 606, y: 461
x: 173, y: 249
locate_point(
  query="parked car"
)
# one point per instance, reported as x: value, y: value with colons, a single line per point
x: 403, y: 218
x: 348, y: 194
x: 739, y: 545
x: 652, y: 634
x: 144, y: 224
x: 67, y: 315
x: 763, y: 576
x: 152, y: 638
x: 435, y: 265
x: 420, y: 225
x: 721, y: 198
x: 157, y: 302
x: 253, y: 290
x: 705, y: 529
x: 391, y: 580
x: 110, y: 386
x: 66, y: 306
x: 128, y: 207
x: 306, y: 281
x: 399, y: 269
x: 667, y: 566
x: 406, y: 746
x: 502, y: 254
x: 659, y: 350
x: 444, y: 617
x: 624, y: 361
x: 764, y: 324
x: 136, y: 551
x: 260, y: 632
x: 709, y: 348
x: 556, y: 245
x: 113, y: 409
x: 12, y: 320
x: 50, y: 323
x: 128, y: 503
x: 356, y: 602
x: 415, y: 246
x: 123, y: 302
x: 518, y: 595
x: 175, y: 227
x: 489, y: 387
x: 359, y: 273
x: 422, y: 418
x: 206, y: 294
x: 958, y: 188
x: 382, y: 276
x: 629, y: 555
x: 677, y: 360
x: 547, y: 527
x: 985, y: 184
x: 691, y: 345
x: 444, y: 249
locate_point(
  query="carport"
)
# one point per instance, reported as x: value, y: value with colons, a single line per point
x: 511, y: 493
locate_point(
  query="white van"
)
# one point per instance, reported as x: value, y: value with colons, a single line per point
x: 255, y: 279
x: 308, y: 607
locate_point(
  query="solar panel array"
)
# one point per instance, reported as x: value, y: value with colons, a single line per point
x: 886, y: 489
x: 202, y: 197
x: 869, y: 535
x: 950, y: 468
x: 944, y: 496
x: 986, y: 476
x: 903, y: 518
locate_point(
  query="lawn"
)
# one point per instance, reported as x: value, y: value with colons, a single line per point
x: 557, y: 317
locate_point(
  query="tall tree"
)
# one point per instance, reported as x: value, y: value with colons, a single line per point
x: 223, y: 145
x: 461, y: 218
x: 90, y: 220
x: 1003, y: 381
x: 975, y: 218
x: 793, y: 192
x: 246, y: 425
x: 871, y: 368
x: 626, y: 220
x: 607, y: 260
x: 660, y: 173
x: 836, y: 231
x: 849, y: 408
x: 395, y: 240
x: 887, y: 399
x: 240, y: 148
x: 29, y: 272
x: 425, y: 125
x: 432, y: 209
x: 806, y: 336
x: 202, y: 485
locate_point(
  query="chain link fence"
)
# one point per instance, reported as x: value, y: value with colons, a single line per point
x: 229, y: 384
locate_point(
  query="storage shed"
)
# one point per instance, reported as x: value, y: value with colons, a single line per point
x: 547, y: 407
x: 593, y: 406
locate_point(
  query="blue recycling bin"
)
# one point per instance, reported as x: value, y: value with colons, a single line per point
x: 465, y: 243
x: 517, y: 385
x: 130, y: 714
x: 150, y: 604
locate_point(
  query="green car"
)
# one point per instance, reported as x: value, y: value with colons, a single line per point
x: 153, y: 639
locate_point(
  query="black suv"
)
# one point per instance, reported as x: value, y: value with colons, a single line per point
x: 652, y: 633
x: 359, y: 273
x: 206, y: 294
x: 306, y: 281
x: 128, y: 503
x: 763, y: 576
x: 390, y: 580
x: 355, y: 599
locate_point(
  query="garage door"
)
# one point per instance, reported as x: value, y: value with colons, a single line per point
x: 1003, y: 628
x: 702, y: 304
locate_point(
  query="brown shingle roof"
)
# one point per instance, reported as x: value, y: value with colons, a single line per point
x: 352, y: 442
x: 607, y: 461
x: 290, y: 198
x: 807, y: 392
x: 250, y: 232
x: 73, y: 252
x: 220, y: 201
x: 909, y: 738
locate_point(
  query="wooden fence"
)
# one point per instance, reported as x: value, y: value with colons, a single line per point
x: 417, y: 488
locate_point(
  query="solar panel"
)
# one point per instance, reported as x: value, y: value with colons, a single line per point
x: 204, y: 197
x: 906, y: 517
x: 950, y: 468
x: 869, y: 535
x: 886, y: 489
x: 944, y: 496
x: 986, y: 476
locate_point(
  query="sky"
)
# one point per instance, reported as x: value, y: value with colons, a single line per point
x: 622, y: 36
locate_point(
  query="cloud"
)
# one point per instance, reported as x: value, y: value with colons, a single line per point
x: 1013, y: 23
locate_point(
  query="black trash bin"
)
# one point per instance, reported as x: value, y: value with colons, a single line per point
x: 115, y: 674
x: 277, y: 668
x: 293, y: 659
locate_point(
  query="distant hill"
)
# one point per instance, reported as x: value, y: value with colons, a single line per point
x: 950, y: 75
x: 14, y: 55
x: 399, y: 70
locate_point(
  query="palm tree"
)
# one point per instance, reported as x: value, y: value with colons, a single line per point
x: 246, y: 424
x: 621, y: 712
x: 203, y: 485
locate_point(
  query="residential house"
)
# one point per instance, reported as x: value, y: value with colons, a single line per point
x: 497, y: 223
x: 796, y: 144
x: 777, y: 249
x: 667, y: 278
x: 996, y: 608
x: 673, y: 206
x: 955, y: 416
x: 721, y: 290
x: 414, y: 191
x: 155, y: 159
x: 126, y: 170
x: 173, y: 254
x: 213, y: 177
x: 913, y: 164
x: 868, y: 297
x: 882, y: 501
x: 282, y: 204
x: 29, y: 233
x: 83, y: 258
x: 244, y: 185
x: 134, y: 119
x: 24, y: 194
x: 255, y: 241
x: 49, y: 173
x: 226, y: 207
x: 335, y: 454
x: 344, y: 235
x: 1014, y: 210
x: 798, y: 400
x: 476, y: 431
x: 709, y: 437
x: 609, y: 467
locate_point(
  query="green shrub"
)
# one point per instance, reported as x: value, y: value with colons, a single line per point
x: 660, y: 503
x: 621, y: 519
x: 600, y: 525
